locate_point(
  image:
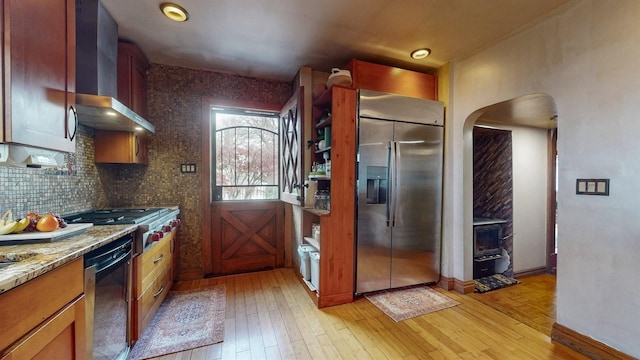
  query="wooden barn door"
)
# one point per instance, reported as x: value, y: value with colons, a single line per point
x: 250, y: 236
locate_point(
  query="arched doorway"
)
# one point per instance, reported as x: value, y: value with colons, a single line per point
x: 531, y: 123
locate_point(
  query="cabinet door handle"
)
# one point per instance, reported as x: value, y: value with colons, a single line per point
x: 158, y: 259
x: 157, y: 293
x: 72, y: 112
x: 137, y: 145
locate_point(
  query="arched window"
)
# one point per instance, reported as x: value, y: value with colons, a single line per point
x: 245, y: 162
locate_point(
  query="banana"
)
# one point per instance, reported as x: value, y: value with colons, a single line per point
x: 7, y: 215
x: 21, y: 225
x: 7, y: 224
x: 8, y: 229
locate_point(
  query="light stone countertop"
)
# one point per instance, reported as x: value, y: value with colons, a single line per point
x: 29, y: 261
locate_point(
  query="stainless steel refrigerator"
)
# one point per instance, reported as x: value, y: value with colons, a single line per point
x: 399, y: 191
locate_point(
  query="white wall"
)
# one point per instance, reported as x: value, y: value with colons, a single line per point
x: 529, y: 147
x: 585, y: 56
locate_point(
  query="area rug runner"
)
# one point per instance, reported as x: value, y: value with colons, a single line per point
x: 406, y: 303
x: 493, y: 282
x: 185, y: 320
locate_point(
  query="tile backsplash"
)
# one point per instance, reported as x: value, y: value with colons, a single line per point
x: 24, y: 190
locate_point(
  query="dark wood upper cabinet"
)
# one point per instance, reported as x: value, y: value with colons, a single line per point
x: 120, y: 147
x: 394, y: 80
x: 132, y: 77
x: 38, y: 73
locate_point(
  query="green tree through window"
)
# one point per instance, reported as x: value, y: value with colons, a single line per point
x: 246, y: 155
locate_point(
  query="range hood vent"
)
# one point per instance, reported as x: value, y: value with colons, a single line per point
x: 107, y: 113
x: 26, y: 156
x: 97, y: 72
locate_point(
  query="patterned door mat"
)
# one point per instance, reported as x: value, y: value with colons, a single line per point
x: 185, y: 320
x: 493, y: 282
x: 406, y: 303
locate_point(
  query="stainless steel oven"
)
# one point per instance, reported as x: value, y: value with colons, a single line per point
x: 108, y: 294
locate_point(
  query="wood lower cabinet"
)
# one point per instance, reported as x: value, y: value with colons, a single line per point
x: 152, y: 281
x: 45, y: 317
x: 120, y: 147
x: 38, y: 73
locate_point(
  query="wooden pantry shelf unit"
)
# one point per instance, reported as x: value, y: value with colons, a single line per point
x: 337, y: 226
x: 334, y: 112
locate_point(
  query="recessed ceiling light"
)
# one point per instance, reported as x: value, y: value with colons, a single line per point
x: 174, y: 12
x: 420, y: 53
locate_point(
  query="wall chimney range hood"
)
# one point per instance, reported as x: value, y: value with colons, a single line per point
x: 97, y: 72
x: 107, y: 113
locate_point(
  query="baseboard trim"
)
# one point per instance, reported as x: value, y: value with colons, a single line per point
x: 190, y: 274
x: 585, y: 345
x: 446, y: 283
x: 531, y: 272
x: 336, y: 299
x: 463, y: 287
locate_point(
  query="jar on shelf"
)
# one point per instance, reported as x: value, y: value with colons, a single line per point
x: 315, y: 229
x: 322, y: 199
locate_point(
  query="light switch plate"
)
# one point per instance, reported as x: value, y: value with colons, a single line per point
x: 592, y: 187
x: 188, y: 168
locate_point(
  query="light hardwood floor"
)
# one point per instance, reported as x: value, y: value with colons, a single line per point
x: 532, y: 302
x: 269, y: 315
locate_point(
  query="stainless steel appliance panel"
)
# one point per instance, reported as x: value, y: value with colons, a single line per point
x: 108, y: 273
x: 415, y: 253
x: 399, y: 191
x: 373, y: 227
x: 379, y: 105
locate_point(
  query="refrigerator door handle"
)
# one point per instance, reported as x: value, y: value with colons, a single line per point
x: 390, y: 186
x: 393, y: 179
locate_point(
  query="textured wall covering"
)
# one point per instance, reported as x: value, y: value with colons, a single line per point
x: 493, y: 181
x: 24, y: 190
x: 174, y: 107
x: 174, y: 100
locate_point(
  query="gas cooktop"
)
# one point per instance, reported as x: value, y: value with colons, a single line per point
x: 115, y: 216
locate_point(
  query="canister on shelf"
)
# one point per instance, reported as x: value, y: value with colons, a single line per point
x: 316, y: 231
x: 322, y: 199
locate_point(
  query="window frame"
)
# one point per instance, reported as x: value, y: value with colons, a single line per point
x: 216, y: 191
